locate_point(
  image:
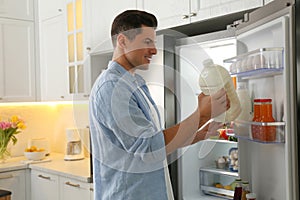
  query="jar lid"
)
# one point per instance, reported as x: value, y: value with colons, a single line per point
x: 250, y: 195
x: 262, y: 100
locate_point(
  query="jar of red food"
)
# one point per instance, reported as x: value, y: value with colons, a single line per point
x: 263, y: 113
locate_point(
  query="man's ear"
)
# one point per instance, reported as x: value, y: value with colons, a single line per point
x: 121, y: 40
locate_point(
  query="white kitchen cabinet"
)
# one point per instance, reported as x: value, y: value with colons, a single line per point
x: 44, y: 186
x: 205, y: 9
x: 100, y: 17
x: 73, y: 189
x: 14, y: 181
x: 50, y: 8
x: 16, y: 9
x: 172, y: 13
x: 53, y: 59
x: 92, y: 191
x: 17, y: 60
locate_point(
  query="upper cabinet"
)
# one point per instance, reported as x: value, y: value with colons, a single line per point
x: 17, y: 60
x: 172, y: 13
x: 16, y: 9
x: 50, y: 8
x: 100, y: 17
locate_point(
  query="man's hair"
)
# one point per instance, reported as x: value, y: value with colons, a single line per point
x: 130, y: 22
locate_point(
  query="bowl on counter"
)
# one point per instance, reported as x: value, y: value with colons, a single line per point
x: 38, y: 155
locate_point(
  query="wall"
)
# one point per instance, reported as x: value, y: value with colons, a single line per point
x: 46, y: 120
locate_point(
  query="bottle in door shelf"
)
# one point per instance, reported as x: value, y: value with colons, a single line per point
x: 238, y: 190
x: 263, y: 113
x: 245, y: 189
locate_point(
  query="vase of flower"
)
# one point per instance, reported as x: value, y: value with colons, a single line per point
x: 8, y: 131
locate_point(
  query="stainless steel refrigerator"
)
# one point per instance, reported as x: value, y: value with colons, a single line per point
x: 271, y: 166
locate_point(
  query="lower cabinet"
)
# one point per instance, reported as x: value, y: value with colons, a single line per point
x: 55, y: 187
x: 44, y: 186
x: 71, y: 189
x: 14, y: 181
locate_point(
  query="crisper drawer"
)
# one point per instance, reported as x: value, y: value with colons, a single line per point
x: 217, y: 182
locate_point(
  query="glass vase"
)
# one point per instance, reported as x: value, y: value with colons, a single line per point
x: 4, y: 152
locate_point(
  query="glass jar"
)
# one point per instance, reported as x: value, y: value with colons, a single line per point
x: 263, y: 113
x: 246, y: 189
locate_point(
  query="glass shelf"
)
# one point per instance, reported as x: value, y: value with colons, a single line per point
x: 210, y: 176
x: 266, y: 61
x: 215, y: 170
x: 243, y: 130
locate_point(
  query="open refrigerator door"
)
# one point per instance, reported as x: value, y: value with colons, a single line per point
x: 267, y: 147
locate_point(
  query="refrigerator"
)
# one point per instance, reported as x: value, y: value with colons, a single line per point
x: 270, y: 166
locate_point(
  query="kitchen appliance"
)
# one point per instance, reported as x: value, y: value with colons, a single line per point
x: 265, y: 36
x: 74, y: 145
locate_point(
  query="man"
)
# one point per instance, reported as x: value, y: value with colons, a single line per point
x: 129, y: 146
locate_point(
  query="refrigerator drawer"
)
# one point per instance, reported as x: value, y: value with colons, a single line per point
x: 217, y: 182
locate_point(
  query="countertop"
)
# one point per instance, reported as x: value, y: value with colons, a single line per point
x: 78, y: 170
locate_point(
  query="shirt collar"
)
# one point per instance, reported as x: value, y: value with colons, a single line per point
x: 136, y: 79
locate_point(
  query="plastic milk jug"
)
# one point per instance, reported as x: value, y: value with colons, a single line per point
x: 215, y: 77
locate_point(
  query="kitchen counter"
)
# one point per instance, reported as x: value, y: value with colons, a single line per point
x: 78, y: 170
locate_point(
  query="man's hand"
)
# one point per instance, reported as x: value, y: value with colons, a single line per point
x: 213, y: 105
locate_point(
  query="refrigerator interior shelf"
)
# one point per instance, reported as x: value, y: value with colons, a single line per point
x: 218, y: 192
x: 262, y: 132
x: 257, y: 60
x: 215, y: 170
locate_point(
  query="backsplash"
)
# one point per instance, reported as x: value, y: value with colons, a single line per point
x: 46, y: 120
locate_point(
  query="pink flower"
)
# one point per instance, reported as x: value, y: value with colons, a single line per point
x: 5, y: 125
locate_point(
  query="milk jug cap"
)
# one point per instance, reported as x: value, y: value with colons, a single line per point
x: 208, y: 62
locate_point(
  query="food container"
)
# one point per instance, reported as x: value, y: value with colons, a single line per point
x: 38, y: 155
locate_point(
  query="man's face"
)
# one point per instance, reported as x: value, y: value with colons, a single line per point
x: 140, y: 50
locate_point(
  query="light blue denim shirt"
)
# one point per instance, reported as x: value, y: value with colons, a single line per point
x: 128, y: 149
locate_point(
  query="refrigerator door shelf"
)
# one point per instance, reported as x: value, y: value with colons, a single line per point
x: 262, y: 58
x: 243, y: 130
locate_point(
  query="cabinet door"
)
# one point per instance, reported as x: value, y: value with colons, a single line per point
x: 50, y: 8
x: 17, y: 60
x: 73, y: 189
x: 100, y: 17
x: 17, y: 9
x: 14, y: 181
x: 53, y: 58
x: 205, y: 9
x: 44, y: 186
x: 170, y: 13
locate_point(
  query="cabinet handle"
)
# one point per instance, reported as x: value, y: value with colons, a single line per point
x: 7, y: 177
x: 62, y: 97
x: 0, y: 98
x: 72, y: 184
x: 44, y: 177
x: 88, y: 48
x: 86, y: 95
x: 92, y: 189
x: 193, y: 14
x: 185, y: 16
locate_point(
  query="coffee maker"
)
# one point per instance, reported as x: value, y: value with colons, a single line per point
x: 74, y: 145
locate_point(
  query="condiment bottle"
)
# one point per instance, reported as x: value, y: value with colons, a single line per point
x: 263, y: 113
x: 246, y: 189
x: 251, y: 196
x: 215, y: 77
x: 238, y: 190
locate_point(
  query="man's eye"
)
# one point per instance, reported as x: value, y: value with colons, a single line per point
x: 148, y: 42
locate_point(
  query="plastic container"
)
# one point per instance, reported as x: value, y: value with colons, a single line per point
x: 215, y: 77
x: 263, y: 113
